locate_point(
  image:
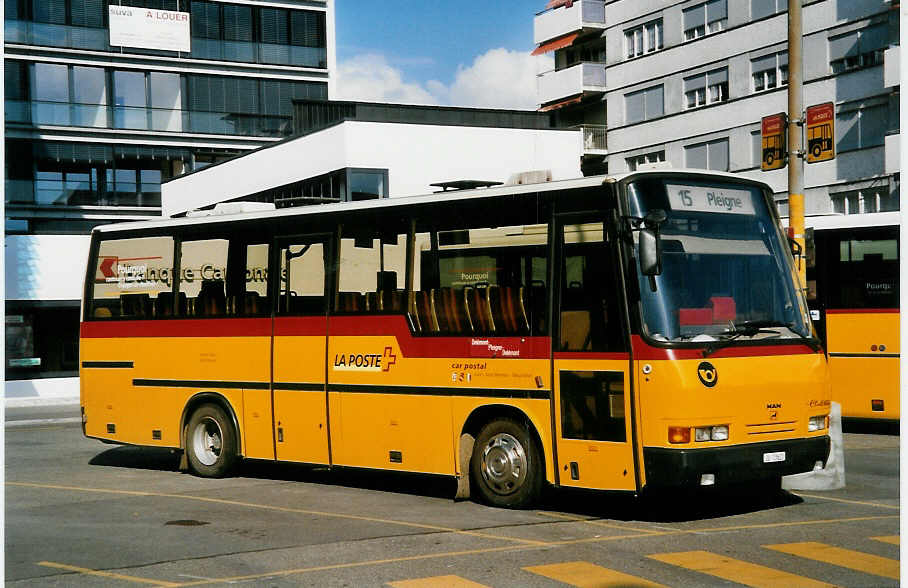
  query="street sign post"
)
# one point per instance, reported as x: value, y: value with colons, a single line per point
x: 774, y: 131
x: 820, y: 132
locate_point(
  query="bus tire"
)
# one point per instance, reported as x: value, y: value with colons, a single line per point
x: 506, y: 466
x: 211, y: 445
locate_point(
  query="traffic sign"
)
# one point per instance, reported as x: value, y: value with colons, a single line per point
x: 774, y: 131
x: 821, y: 132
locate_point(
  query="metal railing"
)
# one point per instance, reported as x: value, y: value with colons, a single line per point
x: 594, y: 137
x: 71, y: 114
x: 72, y: 37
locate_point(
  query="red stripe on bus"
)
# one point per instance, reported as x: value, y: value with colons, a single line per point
x: 232, y: 327
x: 300, y: 326
x: 862, y: 311
x: 592, y: 355
x: 479, y: 346
x: 642, y: 351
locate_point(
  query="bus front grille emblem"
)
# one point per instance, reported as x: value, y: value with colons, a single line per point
x: 707, y: 374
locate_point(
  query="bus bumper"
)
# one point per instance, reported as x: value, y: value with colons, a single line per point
x: 732, y: 465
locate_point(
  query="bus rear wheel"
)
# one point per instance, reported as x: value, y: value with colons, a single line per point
x: 211, y: 446
x: 506, y: 466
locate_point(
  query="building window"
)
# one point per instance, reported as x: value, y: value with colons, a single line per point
x: 858, y: 49
x: 875, y: 199
x: 704, y: 19
x: 42, y: 342
x: 763, y: 8
x: 862, y: 127
x: 770, y: 71
x: 644, y: 104
x: 706, y: 88
x: 655, y: 157
x: 643, y: 39
x: 709, y: 155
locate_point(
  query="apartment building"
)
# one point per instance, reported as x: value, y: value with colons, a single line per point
x: 688, y: 83
x: 107, y: 99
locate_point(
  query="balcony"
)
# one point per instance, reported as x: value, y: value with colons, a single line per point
x: 891, y: 60
x: 594, y: 139
x: 102, y: 116
x: 577, y: 80
x: 581, y: 16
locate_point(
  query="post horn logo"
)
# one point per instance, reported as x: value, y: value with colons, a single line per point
x: 707, y: 374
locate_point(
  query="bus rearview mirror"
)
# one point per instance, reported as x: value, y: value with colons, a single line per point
x: 650, y: 252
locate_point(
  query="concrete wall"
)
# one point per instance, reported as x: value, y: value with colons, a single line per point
x: 415, y: 156
x: 45, y: 267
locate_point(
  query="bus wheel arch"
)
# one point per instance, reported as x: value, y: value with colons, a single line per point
x: 509, y: 434
x: 222, y: 420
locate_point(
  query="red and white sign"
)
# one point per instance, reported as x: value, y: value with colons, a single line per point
x: 147, y: 28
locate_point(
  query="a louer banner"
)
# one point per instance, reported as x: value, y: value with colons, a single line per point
x: 149, y: 29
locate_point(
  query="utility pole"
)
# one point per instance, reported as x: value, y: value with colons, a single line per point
x: 795, y: 122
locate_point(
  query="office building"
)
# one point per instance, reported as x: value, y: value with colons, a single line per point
x: 105, y: 101
x: 688, y: 82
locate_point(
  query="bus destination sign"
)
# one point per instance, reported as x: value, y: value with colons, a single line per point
x: 709, y: 199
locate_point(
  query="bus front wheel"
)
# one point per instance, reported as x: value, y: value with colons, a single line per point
x: 506, y: 467
x: 211, y: 446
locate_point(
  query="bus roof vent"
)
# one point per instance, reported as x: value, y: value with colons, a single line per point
x: 464, y: 184
x: 535, y: 176
x: 225, y: 208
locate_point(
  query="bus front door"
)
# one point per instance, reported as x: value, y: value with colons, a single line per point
x: 300, y: 335
x: 591, y: 360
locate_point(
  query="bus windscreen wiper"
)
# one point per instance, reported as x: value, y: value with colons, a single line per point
x: 751, y: 328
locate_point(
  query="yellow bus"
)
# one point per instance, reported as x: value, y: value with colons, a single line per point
x: 613, y: 333
x: 853, y: 274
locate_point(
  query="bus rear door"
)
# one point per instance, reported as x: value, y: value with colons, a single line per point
x: 591, y: 360
x: 300, y: 335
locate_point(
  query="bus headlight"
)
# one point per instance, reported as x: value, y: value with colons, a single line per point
x: 817, y: 423
x: 714, y: 433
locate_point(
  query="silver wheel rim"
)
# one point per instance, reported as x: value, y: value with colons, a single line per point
x: 504, y: 464
x: 207, y: 441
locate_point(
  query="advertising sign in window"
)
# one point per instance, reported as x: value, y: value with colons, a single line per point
x: 148, y: 28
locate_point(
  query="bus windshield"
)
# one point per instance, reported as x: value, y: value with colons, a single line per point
x: 725, y: 271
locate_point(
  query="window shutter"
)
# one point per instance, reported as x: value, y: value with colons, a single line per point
x: 274, y: 26
x: 49, y: 11
x: 237, y: 22
x: 717, y: 76
x: 88, y: 13
x: 716, y: 10
x: 763, y: 63
x: 654, y: 102
x: 843, y: 46
x: 695, y: 17
x: 633, y: 107
x: 762, y: 8
x: 718, y: 155
x: 873, y: 38
x: 695, y: 156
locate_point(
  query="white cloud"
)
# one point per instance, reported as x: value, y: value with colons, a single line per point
x: 499, y: 78
x: 370, y: 78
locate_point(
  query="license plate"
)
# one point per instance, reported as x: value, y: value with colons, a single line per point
x: 773, y: 457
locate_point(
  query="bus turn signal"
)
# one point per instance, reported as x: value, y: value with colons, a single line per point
x: 679, y: 434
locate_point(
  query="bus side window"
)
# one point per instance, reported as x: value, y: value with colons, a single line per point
x: 203, y: 275
x: 359, y: 273
x: 132, y: 279
x: 255, y: 298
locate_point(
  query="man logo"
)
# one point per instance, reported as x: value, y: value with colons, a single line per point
x: 708, y: 374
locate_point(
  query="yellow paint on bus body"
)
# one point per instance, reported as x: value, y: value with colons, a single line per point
x: 870, y: 371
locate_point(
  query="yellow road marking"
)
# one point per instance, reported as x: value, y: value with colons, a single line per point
x: 90, y: 572
x: 422, y: 526
x: 437, y: 582
x: 597, y: 522
x: 735, y: 570
x: 846, y: 558
x: 846, y: 501
x: 894, y: 539
x: 586, y: 575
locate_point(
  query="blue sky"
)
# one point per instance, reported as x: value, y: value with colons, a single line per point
x: 427, y: 44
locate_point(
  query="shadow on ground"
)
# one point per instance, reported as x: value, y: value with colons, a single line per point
x: 870, y: 427
x: 664, y: 506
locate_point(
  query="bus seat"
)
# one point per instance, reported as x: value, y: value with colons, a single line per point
x: 373, y: 302
x: 102, y: 312
x: 163, y: 304
x: 478, y: 307
x: 501, y: 321
x: 422, y: 311
x: 136, y: 305
x: 575, y: 330
x: 521, y: 310
x: 537, y: 307
x: 451, y: 318
x: 391, y: 300
x: 211, y: 301
x: 253, y: 303
x: 351, y: 302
